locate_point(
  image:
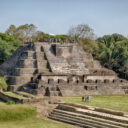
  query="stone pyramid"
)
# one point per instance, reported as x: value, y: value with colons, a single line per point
x: 54, y: 69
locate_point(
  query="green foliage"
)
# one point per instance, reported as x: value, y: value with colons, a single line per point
x: 7, y: 46
x: 41, y: 36
x: 10, y: 102
x: 89, y: 45
x: 3, y: 84
x: 113, y: 53
x: 22, y: 32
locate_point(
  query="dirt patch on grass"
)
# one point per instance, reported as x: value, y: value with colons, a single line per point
x: 45, y: 106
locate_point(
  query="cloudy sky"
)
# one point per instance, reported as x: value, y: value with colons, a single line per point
x: 57, y: 16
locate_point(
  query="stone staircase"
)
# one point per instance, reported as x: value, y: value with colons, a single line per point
x: 61, y: 65
x: 88, y: 118
x: 42, y: 67
x: 31, y: 61
x: 25, y: 68
x: 42, y: 62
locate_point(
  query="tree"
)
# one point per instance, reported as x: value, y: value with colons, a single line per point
x: 22, y: 32
x: 81, y: 31
x: 7, y: 46
x: 11, y: 30
x: 89, y: 45
x: 122, y: 51
x: 27, y: 30
x: 113, y: 53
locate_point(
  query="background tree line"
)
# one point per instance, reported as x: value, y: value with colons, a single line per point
x: 110, y: 50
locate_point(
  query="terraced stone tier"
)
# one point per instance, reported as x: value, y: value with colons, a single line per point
x: 46, y: 70
x: 24, y: 71
x: 18, y: 80
x: 85, y: 120
x: 27, y: 63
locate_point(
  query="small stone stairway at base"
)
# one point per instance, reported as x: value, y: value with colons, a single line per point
x: 53, y: 91
x: 88, y: 118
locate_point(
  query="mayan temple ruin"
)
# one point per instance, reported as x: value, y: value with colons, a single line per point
x: 53, y: 69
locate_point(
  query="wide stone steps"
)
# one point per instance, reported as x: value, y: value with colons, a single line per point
x: 83, y: 119
x: 71, y: 122
x: 91, y: 119
x: 91, y: 112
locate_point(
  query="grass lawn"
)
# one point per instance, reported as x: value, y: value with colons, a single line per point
x: 33, y: 123
x: 24, y: 116
x: 112, y: 102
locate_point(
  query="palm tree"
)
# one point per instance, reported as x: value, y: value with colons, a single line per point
x: 106, y: 51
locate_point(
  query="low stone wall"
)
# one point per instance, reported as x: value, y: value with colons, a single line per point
x: 102, y: 78
x: 55, y: 78
x: 6, y: 98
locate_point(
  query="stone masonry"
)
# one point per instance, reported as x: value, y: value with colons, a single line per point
x: 54, y: 69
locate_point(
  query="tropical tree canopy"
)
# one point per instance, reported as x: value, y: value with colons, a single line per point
x: 7, y: 46
x: 113, y: 53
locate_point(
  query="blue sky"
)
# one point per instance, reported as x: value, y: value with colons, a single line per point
x: 57, y: 16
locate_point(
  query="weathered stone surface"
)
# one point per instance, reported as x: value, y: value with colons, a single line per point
x: 70, y: 64
x: 59, y: 70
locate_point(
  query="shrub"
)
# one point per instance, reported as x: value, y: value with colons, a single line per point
x: 10, y: 102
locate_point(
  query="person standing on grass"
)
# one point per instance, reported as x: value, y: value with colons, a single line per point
x: 88, y: 98
x: 82, y: 98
